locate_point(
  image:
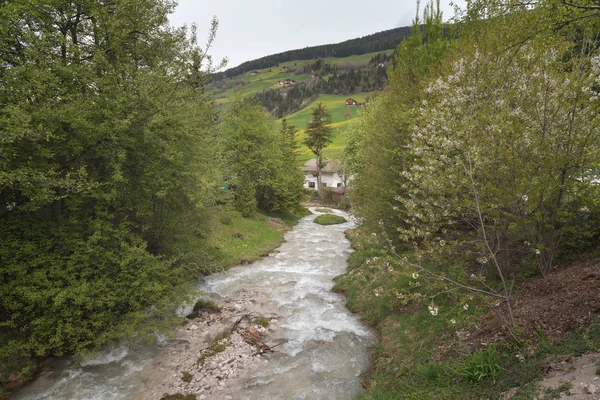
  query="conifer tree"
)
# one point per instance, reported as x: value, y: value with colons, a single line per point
x: 318, y: 136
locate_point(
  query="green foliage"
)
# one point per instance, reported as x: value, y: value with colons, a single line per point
x: 377, y: 148
x: 480, y: 365
x: 245, y: 196
x: 318, y: 136
x: 329, y: 219
x: 262, y: 321
x: 179, y: 396
x: 100, y: 172
x: 557, y: 393
x: 324, y: 210
x: 95, y: 286
x: 111, y: 173
x: 187, y: 377
x: 290, y: 176
x: 411, y: 338
x: 474, y: 167
x: 482, y: 151
x: 262, y: 164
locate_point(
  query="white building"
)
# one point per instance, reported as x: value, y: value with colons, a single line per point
x: 331, y: 174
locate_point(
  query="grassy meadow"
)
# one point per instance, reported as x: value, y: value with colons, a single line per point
x: 252, y: 84
x: 233, y: 238
x: 336, y: 105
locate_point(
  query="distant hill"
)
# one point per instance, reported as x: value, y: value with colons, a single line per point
x: 367, y: 44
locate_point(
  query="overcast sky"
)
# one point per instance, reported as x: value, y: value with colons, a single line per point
x: 250, y: 29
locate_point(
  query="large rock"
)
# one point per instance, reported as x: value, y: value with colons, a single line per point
x: 591, y: 388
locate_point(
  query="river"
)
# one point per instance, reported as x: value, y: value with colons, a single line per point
x: 323, y: 348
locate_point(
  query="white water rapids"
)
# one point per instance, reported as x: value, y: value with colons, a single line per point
x: 326, y: 350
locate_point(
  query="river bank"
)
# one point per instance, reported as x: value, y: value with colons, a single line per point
x: 228, y: 239
x: 427, y: 353
x: 282, y: 303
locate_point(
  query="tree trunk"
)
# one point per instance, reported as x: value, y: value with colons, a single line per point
x: 319, y: 183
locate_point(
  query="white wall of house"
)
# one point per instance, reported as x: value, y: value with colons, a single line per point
x: 328, y: 179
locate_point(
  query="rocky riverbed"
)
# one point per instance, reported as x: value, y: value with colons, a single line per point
x: 213, y: 350
x: 281, y: 334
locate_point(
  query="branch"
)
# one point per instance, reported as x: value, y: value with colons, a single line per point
x: 581, y: 6
x: 458, y: 284
x: 469, y: 172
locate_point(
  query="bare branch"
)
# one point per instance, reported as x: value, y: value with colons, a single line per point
x: 581, y: 6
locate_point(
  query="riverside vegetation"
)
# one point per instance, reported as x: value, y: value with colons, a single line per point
x: 475, y: 176
x: 476, y: 181
x: 119, y: 181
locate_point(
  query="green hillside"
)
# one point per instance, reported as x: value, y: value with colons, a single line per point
x: 256, y: 81
x: 249, y: 84
x: 376, y: 42
x: 336, y: 105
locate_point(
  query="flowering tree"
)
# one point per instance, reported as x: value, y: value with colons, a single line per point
x: 380, y: 151
x: 500, y: 147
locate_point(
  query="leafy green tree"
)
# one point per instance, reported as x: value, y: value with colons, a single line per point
x: 318, y: 136
x: 353, y: 155
x: 511, y: 165
x: 262, y: 162
x: 500, y: 175
x: 108, y: 146
x: 291, y: 174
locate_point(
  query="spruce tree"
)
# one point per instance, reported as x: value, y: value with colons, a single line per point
x: 318, y: 136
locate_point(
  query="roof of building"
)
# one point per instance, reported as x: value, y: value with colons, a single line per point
x: 332, y: 166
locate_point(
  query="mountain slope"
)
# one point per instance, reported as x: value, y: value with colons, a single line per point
x: 376, y: 42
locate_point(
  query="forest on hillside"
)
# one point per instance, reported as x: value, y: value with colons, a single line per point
x: 327, y: 79
x: 380, y: 41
